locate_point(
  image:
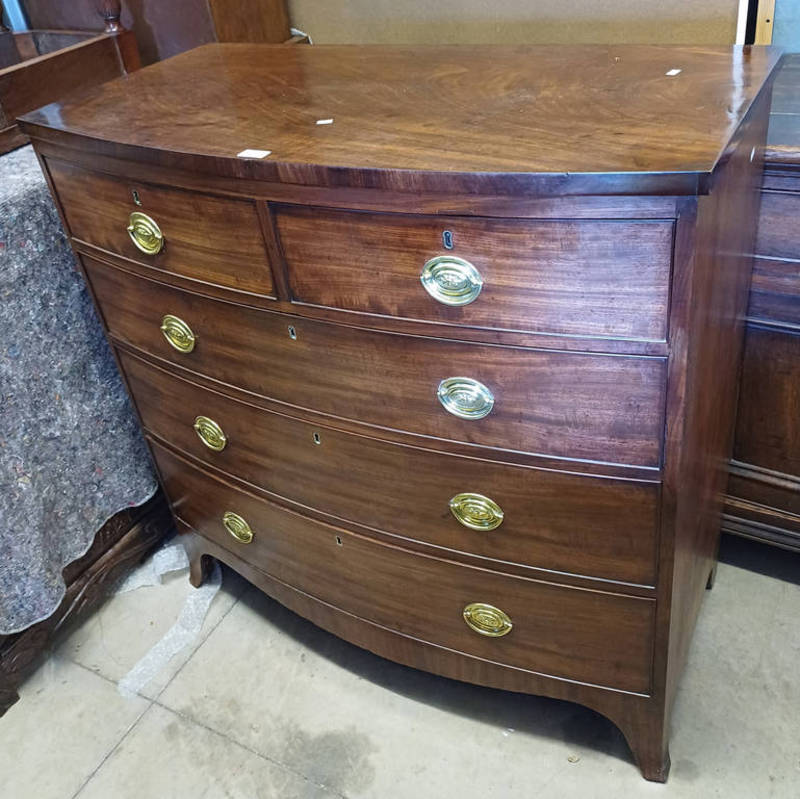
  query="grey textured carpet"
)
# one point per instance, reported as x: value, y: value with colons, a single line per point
x: 71, y: 454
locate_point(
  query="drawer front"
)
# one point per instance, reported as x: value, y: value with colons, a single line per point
x: 768, y: 421
x: 586, y: 525
x: 573, y: 405
x: 600, y: 278
x: 778, y: 228
x: 572, y: 633
x: 772, y: 502
x: 775, y: 290
x: 212, y: 239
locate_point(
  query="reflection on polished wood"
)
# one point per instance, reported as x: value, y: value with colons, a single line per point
x: 509, y: 119
x: 763, y: 500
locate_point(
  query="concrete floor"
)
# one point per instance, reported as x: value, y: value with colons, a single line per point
x: 266, y: 705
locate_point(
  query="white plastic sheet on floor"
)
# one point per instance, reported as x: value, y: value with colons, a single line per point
x: 170, y: 558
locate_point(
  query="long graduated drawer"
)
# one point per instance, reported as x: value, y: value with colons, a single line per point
x: 550, y: 628
x: 596, y: 526
x: 557, y: 403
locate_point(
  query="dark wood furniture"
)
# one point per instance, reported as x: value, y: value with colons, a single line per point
x: 40, y: 66
x: 122, y: 541
x: 763, y: 500
x: 164, y: 29
x: 454, y: 375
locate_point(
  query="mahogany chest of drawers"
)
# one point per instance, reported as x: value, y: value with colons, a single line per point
x: 451, y: 369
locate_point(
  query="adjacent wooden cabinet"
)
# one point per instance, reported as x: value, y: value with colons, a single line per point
x: 763, y: 500
x: 164, y: 28
x: 449, y: 366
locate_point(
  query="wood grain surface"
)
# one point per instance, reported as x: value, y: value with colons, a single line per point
x: 768, y: 423
x: 560, y: 522
x: 778, y: 230
x: 565, y: 404
x: 714, y: 321
x: 39, y: 79
x: 213, y: 239
x: 550, y: 120
x: 555, y: 632
x: 581, y: 277
x: 775, y: 291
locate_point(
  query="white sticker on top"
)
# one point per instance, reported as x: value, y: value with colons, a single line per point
x: 253, y: 153
x: 672, y: 73
x: 325, y: 121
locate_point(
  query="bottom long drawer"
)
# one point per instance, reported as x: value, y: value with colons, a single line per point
x: 572, y: 633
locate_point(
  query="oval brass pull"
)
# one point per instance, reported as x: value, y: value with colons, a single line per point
x: 476, y: 511
x: 487, y: 620
x: 178, y: 333
x: 465, y: 397
x: 145, y: 233
x: 210, y: 433
x: 451, y: 280
x: 237, y: 527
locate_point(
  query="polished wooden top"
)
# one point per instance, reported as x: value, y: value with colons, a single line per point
x: 547, y: 119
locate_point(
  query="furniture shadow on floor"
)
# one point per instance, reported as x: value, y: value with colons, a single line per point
x: 512, y: 713
x: 756, y: 556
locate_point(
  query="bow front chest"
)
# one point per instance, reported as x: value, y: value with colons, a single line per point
x: 437, y: 346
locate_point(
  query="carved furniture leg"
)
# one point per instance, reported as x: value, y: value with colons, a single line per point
x: 199, y: 562
x: 651, y: 752
x: 645, y: 731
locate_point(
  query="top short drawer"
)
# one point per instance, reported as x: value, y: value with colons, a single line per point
x: 583, y: 277
x: 211, y: 239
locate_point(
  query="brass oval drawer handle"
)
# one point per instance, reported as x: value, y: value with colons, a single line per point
x: 178, y: 333
x: 451, y: 281
x: 145, y: 233
x: 487, y: 620
x: 476, y: 511
x: 210, y: 433
x: 465, y: 397
x: 237, y: 527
